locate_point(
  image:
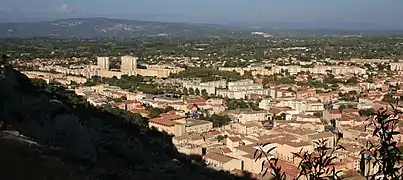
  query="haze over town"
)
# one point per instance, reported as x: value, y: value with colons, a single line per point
x: 357, y: 14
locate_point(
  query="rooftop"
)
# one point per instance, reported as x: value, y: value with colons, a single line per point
x: 219, y: 157
x: 321, y: 135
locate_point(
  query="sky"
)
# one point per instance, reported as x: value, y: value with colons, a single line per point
x: 382, y: 12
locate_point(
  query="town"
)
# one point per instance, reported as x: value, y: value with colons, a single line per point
x: 223, y: 113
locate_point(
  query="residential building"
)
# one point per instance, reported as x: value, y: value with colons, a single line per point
x: 396, y: 66
x: 128, y: 64
x: 222, y: 162
x: 103, y: 63
x: 328, y: 136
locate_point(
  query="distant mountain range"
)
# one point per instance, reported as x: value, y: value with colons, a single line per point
x: 104, y: 27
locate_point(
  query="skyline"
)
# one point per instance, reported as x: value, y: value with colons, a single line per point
x: 259, y: 12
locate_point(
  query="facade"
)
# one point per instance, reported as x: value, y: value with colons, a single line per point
x: 198, y: 126
x: 161, y: 73
x: 331, y: 114
x: 103, y: 63
x: 248, y: 116
x: 222, y: 162
x: 330, y: 137
x: 190, y: 149
x: 396, y: 66
x: 300, y: 106
x: 307, y: 118
x: 171, y: 127
x: 128, y: 64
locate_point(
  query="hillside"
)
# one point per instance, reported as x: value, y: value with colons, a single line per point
x: 103, y: 27
x: 120, y: 28
x: 48, y: 133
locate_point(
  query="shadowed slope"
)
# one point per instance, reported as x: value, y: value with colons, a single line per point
x: 67, y: 138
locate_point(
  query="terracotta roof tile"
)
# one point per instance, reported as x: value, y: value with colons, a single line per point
x: 218, y: 157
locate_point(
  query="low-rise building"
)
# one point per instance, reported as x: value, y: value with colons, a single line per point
x: 222, y: 162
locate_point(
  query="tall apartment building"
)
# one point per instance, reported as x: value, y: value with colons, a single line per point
x: 129, y: 64
x: 103, y: 63
x: 396, y: 66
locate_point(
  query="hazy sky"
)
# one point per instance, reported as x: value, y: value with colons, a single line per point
x: 386, y: 12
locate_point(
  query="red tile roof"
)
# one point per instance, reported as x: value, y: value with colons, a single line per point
x: 164, y: 122
x: 334, y: 112
x: 196, y: 101
x: 235, y: 139
x: 218, y: 157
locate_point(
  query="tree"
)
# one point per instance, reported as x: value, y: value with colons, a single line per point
x: 219, y: 120
x: 197, y: 91
x: 185, y: 91
x: 352, y: 81
x: 247, y: 75
x: 370, y: 79
x: 221, y: 137
x: 169, y: 108
x: 389, y: 98
x: 282, y: 117
x: 155, y: 112
x: 191, y: 91
x: 341, y: 107
x: 204, y: 94
x: 366, y: 112
x: 318, y: 114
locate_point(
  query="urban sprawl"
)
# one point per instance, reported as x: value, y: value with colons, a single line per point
x: 224, y: 114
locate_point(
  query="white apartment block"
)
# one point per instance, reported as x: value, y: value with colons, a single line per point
x: 103, y: 63
x: 291, y: 69
x: 240, y: 94
x: 254, y: 70
x: 339, y: 70
x: 319, y: 69
x: 244, y: 82
x: 248, y: 116
x: 245, y: 87
x: 128, y: 64
x: 299, y: 106
x: 396, y: 66
x: 210, y: 87
x: 245, y: 116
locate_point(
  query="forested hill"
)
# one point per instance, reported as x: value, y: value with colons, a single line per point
x: 115, y: 28
x: 48, y: 133
x: 89, y: 28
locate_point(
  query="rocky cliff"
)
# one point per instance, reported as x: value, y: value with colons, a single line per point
x: 48, y: 133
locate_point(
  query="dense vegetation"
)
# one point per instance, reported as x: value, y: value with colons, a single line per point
x: 235, y: 52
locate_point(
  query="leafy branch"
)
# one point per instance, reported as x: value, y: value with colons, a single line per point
x: 271, y: 162
x: 384, y: 154
x: 319, y: 164
x: 316, y: 165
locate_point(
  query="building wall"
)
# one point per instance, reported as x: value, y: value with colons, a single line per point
x: 176, y: 130
x: 103, y: 63
x: 396, y: 66
x: 252, y: 165
x: 247, y: 117
x: 200, y: 128
x: 128, y: 64
x: 162, y: 73
x: 233, y: 164
x: 190, y: 149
